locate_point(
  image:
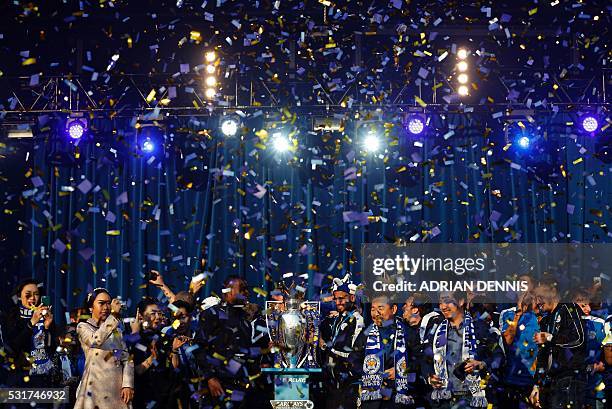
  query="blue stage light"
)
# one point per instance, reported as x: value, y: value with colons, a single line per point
x: 590, y: 124
x: 524, y: 142
x: 75, y: 129
x: 416, y: 125
x: 148, y: 145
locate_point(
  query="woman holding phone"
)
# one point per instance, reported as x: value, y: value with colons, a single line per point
x: 108, y: 379
x: 30, y: 333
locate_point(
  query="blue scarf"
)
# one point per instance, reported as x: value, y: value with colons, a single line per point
x: 41, y: 364
x: 374, y: 368
x: 468, y: 351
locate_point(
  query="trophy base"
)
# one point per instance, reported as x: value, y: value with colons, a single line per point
x: 292, y: 387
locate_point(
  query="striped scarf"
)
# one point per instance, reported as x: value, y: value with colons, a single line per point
x: 41, y: 364
x: 374, y: 368
x: 468, y: 351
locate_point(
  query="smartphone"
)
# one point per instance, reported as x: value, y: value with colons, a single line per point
x: 45, y: 300
x: 459, y: 371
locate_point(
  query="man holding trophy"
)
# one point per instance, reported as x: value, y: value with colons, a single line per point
x: 339, y: 333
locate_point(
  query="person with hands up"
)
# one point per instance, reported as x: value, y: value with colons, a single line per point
x: 156, y: 279
x: 30, y: 332
x: 108, y: 379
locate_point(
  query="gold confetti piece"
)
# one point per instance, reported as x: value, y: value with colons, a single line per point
x: 151, y: 96
x: 29, y: 61
x: 577, y: 161
x: 195, y: 36
x: 260, y: 291
x: 420, y: 101
x: 533, y: 11
x: 113, y: 232
x: 218, y: 356
x: 176, y: 324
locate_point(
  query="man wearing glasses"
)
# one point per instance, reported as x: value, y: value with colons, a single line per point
x: 338, y: 335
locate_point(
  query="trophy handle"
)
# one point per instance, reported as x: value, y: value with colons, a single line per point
x: 269, y: 305
x: 315, y: 304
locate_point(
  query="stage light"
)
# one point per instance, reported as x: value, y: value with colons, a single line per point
x: 210, y: 93
x: 462, y: 53
x: 590, y: 124
x: 462, y: 66
x: 462, y: 78
x: 524, y: 142
x: 229, y: 126
x: 463, y: 90
x: 19, y: 131
x: 211, y: 81
x: 210, y: 69
x: 147, y: 145
x: 210, y: 56
x: 75, y: 128
x: 371, y: 142
x: 416, y: 125
x: 280, y: 143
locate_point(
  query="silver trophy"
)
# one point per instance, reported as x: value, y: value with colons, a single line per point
x: 293, y: 327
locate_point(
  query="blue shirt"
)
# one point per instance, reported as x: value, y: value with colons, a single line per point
x: 454, y: 350
x: 522, y: 354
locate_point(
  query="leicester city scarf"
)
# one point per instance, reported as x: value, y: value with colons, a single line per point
x: 373, y: 367
x: 468, y: 351
x: 41, y: 364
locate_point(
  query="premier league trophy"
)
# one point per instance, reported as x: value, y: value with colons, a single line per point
x: 293, y: 327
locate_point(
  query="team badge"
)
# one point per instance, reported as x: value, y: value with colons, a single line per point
x: 401, y: 366
x: 371, y: 365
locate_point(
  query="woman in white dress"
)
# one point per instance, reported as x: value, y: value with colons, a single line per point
x: 108, y: 379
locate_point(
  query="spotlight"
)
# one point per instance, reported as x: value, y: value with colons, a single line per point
x: 150, y: 140
x: 210, y: 56
x: 210, y: 93
x: 281, y: 143
x: 229, y: 126
x: 463, y: 90
x: 75, y: 128
x: 524, y: 142
x: 462, y: 53
x: 415, y: 125
x: 211, y: 81
x: 147, y: 145
x: 371, y: 143
x: 210, y: 69
x: 590, y: 124
x: 462, y: 78
x: 462, y: 66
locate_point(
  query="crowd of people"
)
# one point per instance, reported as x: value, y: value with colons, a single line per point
x: 181, y: 351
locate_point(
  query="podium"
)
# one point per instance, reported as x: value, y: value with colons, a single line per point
x: 292, y: 387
